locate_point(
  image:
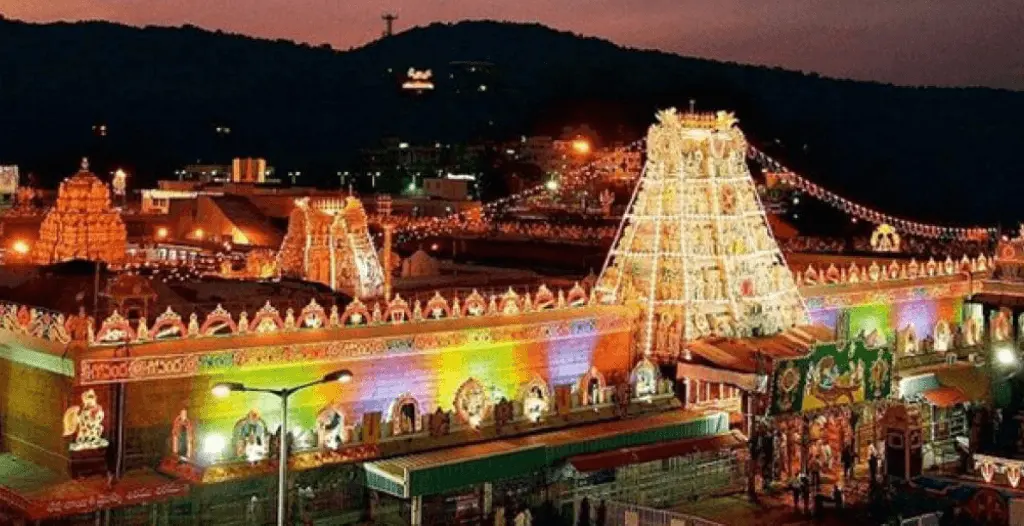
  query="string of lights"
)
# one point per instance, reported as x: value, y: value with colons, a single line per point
x: 555, y: 187
x: 861, y: 212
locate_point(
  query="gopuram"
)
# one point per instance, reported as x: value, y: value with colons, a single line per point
x: 82, y: 225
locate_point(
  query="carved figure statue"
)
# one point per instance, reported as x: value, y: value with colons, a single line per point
x: 85, y: 422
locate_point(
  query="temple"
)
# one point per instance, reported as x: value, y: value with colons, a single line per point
x: 699, y: 362
x: 82, y: 225
x: 328, y: 242
x: 694, y: 247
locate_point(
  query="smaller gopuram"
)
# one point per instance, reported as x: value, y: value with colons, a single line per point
x: 82, y: 224
x: 329, y: 242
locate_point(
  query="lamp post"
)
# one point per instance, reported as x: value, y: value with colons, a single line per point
x: 222, y: 390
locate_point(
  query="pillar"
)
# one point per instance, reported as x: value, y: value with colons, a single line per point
x: 388, y: 230
x: 416, y: 511
x: 488, y: 498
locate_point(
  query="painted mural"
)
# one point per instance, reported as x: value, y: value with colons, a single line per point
x: 921, y: 317
x: 402, y: 385
x: 833, y: 374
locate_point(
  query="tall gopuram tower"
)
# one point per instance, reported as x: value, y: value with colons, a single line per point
x: 328, y: 241
x: 694, y: 249
x: 82, y: 225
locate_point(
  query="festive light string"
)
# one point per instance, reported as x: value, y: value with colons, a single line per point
x: 571, y: 180
x: 792, y: 178
x: 579, y: 176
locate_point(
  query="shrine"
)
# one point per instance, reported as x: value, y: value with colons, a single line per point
x: 329, y: 242
x: 82, y: 225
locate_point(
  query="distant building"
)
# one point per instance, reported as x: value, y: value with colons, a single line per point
x: 204, y: 173
x: 249, y: 170
x: 158, y: 201
x: 445, y: 188
x: 9, y: 182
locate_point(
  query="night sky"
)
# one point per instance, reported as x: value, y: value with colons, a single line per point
x: 940, y: 42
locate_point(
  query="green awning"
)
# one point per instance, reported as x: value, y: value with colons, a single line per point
x: 708, y: 425
x: 446, y: 470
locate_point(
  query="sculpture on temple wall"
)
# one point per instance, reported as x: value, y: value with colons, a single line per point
x: 85, y: 423
x: 251, y: 437
x: 330, y: 427
x: 329, y: 242
x: 183, y: 437
x: 82, y: 224
x: 885, y: 239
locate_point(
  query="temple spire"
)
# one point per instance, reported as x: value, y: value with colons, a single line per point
x: 695, y: 250
x: 85, y: 164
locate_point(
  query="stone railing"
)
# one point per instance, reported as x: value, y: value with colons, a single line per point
x: 118, y: 330
x: 894, y: 271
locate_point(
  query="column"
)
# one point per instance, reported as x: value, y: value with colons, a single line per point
x: 388, y: 230
x: 416, y: 511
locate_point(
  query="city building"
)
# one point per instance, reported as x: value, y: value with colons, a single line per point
x: 249, y: 170
x: 205, y: 173
x: 448, y: 188
x: 9, y: 182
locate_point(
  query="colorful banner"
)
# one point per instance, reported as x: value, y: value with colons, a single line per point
x: 833, y: 374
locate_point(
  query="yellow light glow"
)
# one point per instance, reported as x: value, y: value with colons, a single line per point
x: 161, y: 233
x: 214, y: 444
x: 552, y: 185
x: 581, y: 146
x: 199, y: 234
x: 20, y: 247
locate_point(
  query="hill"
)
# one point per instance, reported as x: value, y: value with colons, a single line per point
x: 928, y: 153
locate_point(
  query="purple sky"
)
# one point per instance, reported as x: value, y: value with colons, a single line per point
x: 946, y: 42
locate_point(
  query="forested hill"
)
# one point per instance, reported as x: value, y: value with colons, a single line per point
x: 923, y: 152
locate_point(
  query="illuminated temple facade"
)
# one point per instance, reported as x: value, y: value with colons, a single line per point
x: 463, y: 406
x: 82, y: 224
x: 695, y: 249
x: 329, y: 242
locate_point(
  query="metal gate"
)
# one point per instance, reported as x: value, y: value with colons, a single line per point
x: 621, y: 514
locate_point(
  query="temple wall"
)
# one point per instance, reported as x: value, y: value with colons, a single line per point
x: 431, y: 378
x: 888, y: 318
x: 31, y: 408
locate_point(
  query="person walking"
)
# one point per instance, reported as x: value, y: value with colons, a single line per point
x: 848, y: 457
x: 815, y: 468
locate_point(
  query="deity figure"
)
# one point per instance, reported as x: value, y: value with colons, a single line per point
x: 86, y: 423
x: 535, y: 404
x: 251, y: 436
x: 77, y: 326
x: 646, y: 380
x: 472, y: 402
x: 330, y: 427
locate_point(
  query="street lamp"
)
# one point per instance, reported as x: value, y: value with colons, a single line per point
x: 223, y: 389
